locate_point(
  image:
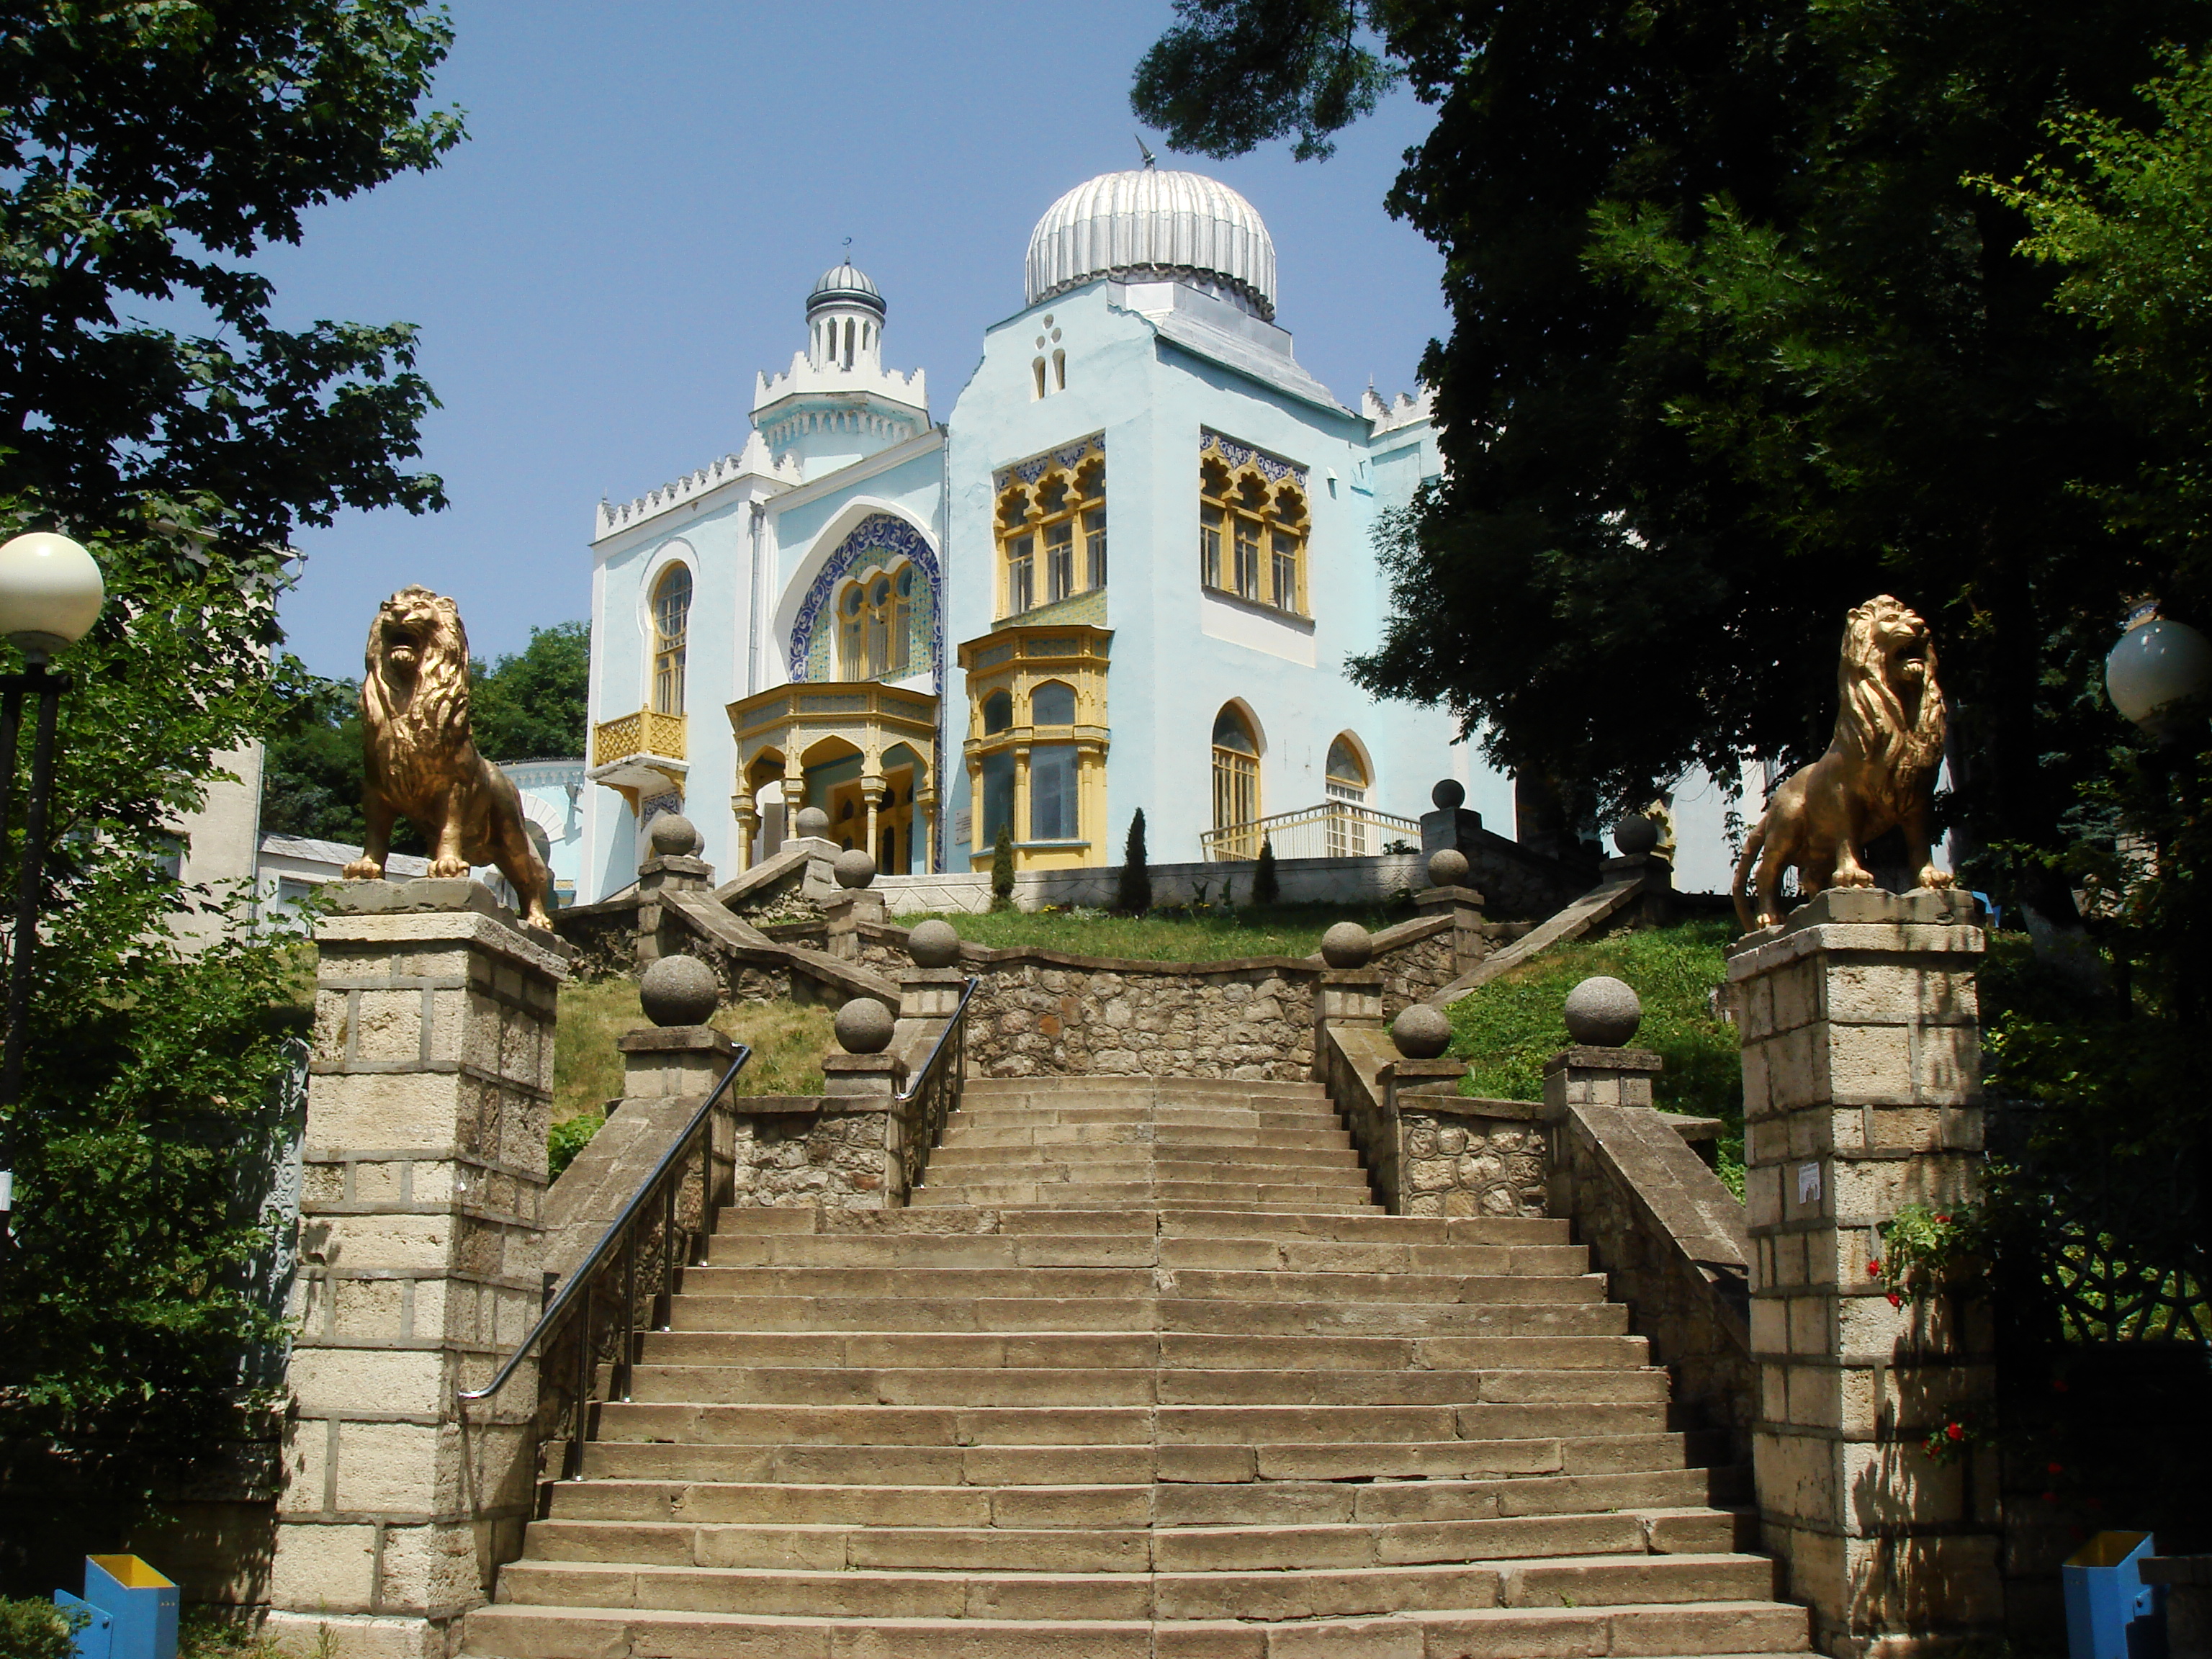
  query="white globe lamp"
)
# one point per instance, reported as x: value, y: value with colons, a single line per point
x: 50, y: 593
x: 2157, y: 663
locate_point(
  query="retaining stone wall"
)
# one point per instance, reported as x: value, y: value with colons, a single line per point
x: 824, y: 1159
x: 1460, y: 1160
x: 1252, y: 1019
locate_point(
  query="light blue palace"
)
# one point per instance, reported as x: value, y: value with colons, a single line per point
x: 1127, y: 573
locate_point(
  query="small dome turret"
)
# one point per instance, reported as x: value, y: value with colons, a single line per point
x: 845, y: 285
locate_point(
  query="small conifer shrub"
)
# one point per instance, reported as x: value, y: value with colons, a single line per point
x: 1002, y: 869
x: 1136, y: 895
x: 1267, y: 885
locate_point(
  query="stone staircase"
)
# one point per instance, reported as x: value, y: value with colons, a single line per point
x: 1143, y: 1374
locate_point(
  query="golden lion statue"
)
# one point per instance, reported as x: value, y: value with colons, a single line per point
x: 1877, y: 774
x: 421, y: 760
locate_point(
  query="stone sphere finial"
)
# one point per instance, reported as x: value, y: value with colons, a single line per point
x: 863, y: 1026
x: 1602, y: 1012
x: 1421, y: 1032
x: 1448, y: 867
x: 1636, y: 833
x: 672, y: 835
x: 678, y: 991
x: 933, y: 944
x: 810, y: 821
x: 1448, y: 794
x: 854, y: 868
x: 1347, y: 945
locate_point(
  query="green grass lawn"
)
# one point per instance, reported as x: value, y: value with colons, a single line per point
x: 1509, y: 1027
x: 1179, y: 935
x: 788, y: 1041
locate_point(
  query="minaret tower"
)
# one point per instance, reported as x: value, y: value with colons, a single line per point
x: 837, y: 404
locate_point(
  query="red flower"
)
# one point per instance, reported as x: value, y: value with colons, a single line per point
x: 1874, y: 1268
x: 1895, y: 1300
x: 2058, y: 1385
x: 2055, y: 1468
x: 1942, y: 1220
x: 2050, y: 1497
x: 1954, y: 1432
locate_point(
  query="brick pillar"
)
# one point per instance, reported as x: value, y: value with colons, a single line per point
x: 1349, y: 996
x: 428, y: 1096
x: 1464, y: 906
x: 1862, y: 1048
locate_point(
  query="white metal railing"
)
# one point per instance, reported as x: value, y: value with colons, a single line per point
x: 1333, y: 829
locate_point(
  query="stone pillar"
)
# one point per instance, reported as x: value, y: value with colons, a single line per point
x: 672, y: 864
x: 1588, y: 1076
x: 673, y: 1059
x: 1862, y: 1050
x: 1349, y: 996
x: 1656, y: 901
x: 1403, y: 1077
x: 925, y: 844
x: 1021, y: 807
x: 429, y: 1092
x: 930, y: 992
x: 747, y: 813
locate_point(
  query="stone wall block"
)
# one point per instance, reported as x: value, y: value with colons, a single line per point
x: 325, y: 1567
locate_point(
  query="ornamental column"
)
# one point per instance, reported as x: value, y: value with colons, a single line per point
x: 1862, y: 1050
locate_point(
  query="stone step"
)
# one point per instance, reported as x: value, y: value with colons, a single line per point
x: 1351, y: 1197
x: 1169, y: 1155
x: 1015, y: 1133
x: 1180, y: 1222
x: 1037, y: 1114
x: 1004, y: 1251
x: 1171, y: 1089
x: 801, y: 1572
x: 1348, y: 1464
x: 1002, y: 1385
x: 1134, y: 1165
x: 1247, y: 1504
x: 690, y: 1422
x: 1212, y: 1316
x: 1106, y: 1351
x: 1729, y: 1630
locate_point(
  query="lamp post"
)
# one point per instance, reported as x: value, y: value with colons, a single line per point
x: 2157, y: 663
x: 50, y: 594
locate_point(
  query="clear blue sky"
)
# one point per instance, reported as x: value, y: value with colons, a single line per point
x: 649, y: 190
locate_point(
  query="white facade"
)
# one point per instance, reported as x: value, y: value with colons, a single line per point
x: 918, y: 582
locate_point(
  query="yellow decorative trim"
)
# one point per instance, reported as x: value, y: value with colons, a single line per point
x: 648, y: 731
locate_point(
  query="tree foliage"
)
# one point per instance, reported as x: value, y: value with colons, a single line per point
x: 1737, y: 343
x: 1134, y: 893
x: 146, y: 153
x: 149, y: 408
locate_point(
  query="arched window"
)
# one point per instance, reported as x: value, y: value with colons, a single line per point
x: 1347, y: 783
x: 997, y: 713
x: 1053, y: 703
x: 1236, y: 780
x: 875, y: 624
x: 1052, y: 533
x: 1060, y: 371
x: 1251, y: 532
x: 1037, y: 368
x: 672, y: 622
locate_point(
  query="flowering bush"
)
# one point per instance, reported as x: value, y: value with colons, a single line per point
x: 1924, y: 1250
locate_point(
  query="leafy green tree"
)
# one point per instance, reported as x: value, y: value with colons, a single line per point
x: 1737, y: 343
x: 532, y: 705
x: 147, y: 152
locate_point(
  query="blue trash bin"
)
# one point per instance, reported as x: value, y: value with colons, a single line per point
x: 2110, y: 1613
x: 133, y: 1610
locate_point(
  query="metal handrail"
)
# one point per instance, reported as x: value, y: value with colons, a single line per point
x: 577, y: 1287
x: 958, y: 1023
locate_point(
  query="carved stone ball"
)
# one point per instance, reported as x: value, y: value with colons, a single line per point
x: 863, y: 1026
x: 854, y: 868
x: 1421, y: 1032
x: 810, y: 821
x: 1347, y: 945
x: 1602, y: 1012
x: 678, y: 991
x: 1448, y: 867
x: 1449, y: 794
x: 933, y: 945
x: 672, y: 835
x: 1636, y: 834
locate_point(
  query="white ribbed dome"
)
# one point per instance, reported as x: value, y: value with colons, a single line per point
x: 1145, y: 222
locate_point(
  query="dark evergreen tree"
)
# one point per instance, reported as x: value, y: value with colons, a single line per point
x: 1135, y: 897
x: 1267, y: 885
x: 1002, y: 869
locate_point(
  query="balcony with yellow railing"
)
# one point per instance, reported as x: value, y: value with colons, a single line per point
x: 641, y: 754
